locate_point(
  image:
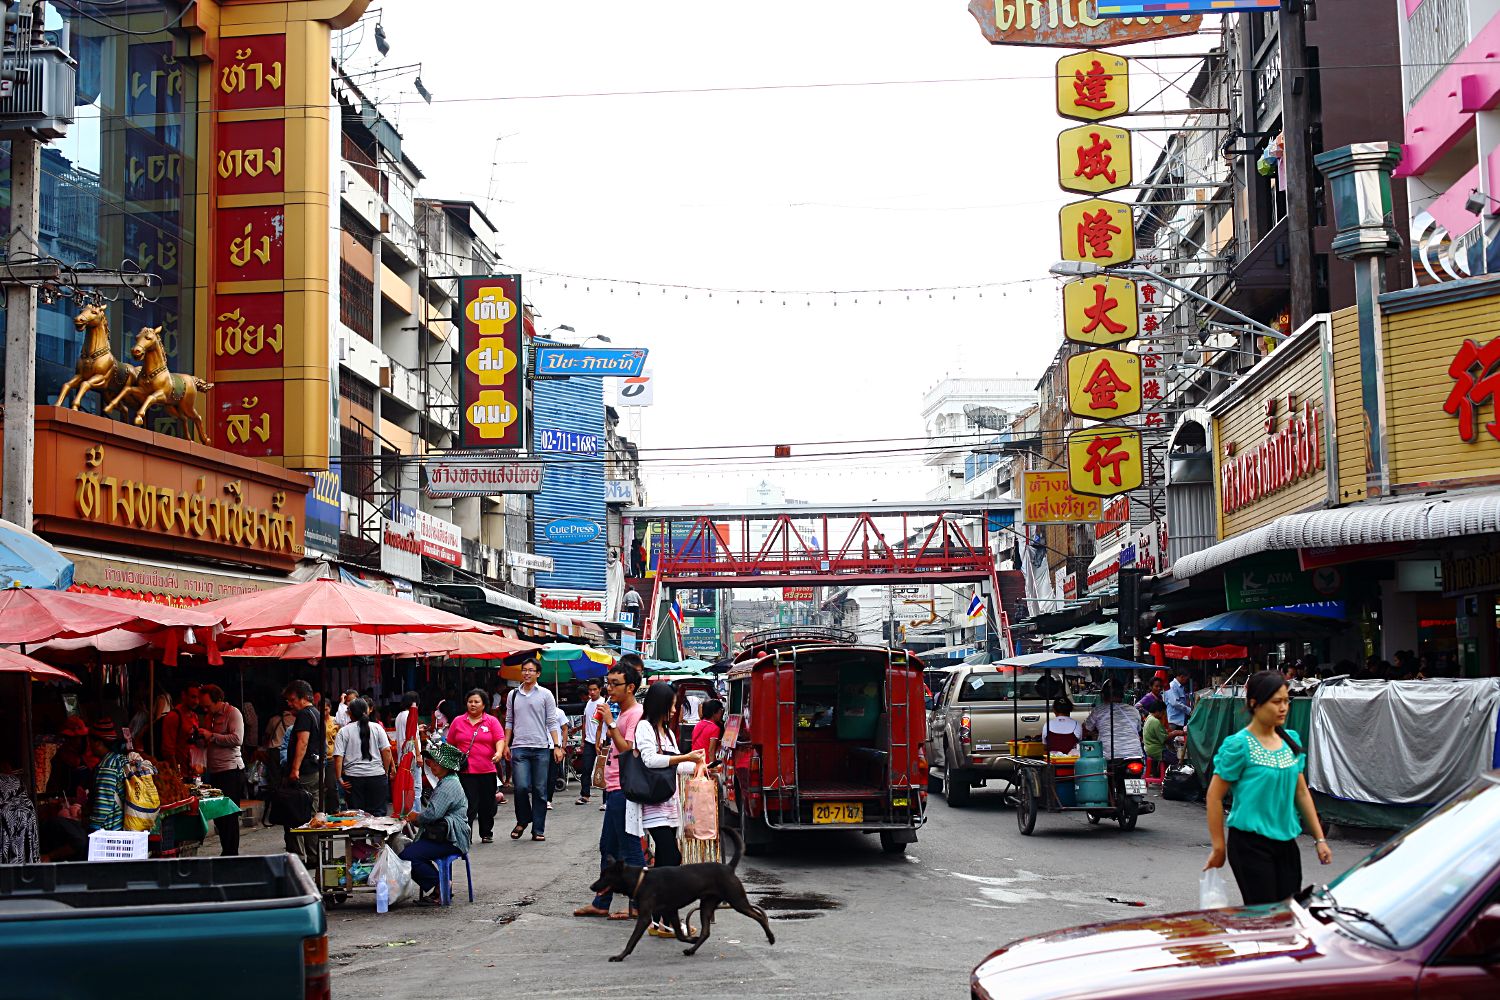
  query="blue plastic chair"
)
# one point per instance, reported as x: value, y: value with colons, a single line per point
x: 445, y: 878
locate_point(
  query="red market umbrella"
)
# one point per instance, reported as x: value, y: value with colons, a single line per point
x: 1224, y: 652
x: 35, y: 616
x: 327, y: 605
x: 344, y: 642
x: 482, y: 646
x: 15, y: 663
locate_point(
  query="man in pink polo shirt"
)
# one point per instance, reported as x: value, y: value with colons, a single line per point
x: 622, y: 681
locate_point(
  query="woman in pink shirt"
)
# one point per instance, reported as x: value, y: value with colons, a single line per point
x: 479, y: 736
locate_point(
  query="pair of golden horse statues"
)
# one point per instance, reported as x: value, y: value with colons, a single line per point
x: 119, y: 383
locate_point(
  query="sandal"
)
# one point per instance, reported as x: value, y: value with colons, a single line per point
x: 539, y: 836
x: 516, y: 833
x: 627, y: 915
x: 582, y: 800
x: 590, y: 911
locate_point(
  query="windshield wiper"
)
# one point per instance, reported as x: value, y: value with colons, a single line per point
x: 1354, y: 913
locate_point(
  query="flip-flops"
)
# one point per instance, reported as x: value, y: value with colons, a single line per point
x: 515, y: 834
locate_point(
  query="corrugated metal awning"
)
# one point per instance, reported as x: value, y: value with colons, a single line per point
x: 1417, y: 519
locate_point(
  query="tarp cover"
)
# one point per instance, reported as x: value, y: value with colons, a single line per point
x: 1401, y: 742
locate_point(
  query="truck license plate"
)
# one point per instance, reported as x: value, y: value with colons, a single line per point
x: 838, y: 812
x: 1135, y: 786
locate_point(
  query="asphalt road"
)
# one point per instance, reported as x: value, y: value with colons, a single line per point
x: 849, y: 920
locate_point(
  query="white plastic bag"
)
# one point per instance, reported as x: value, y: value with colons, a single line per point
x: 1213, y: 891
x: 396, y: 874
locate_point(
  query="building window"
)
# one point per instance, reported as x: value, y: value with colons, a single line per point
x: 356, y: 301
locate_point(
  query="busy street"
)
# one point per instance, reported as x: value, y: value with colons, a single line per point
x: 849, y: 921
x: 959, y: 498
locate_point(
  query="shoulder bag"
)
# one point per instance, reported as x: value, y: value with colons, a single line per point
x: 647, y: 786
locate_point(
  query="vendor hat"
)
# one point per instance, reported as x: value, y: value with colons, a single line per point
x: 106, y: 730
x: 75, y: 727
x: 445, y: 755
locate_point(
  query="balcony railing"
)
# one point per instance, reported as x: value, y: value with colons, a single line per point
x: 1438, y: 29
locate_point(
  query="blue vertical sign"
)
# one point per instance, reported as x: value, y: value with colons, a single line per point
x: 572, y: 492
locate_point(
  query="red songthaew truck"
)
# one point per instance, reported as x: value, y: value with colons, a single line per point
x: 824, y: 734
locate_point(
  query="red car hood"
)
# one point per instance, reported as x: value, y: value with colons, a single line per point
x: 1203, y: 954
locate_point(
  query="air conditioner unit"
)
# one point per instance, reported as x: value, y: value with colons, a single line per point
x: 38, y: 90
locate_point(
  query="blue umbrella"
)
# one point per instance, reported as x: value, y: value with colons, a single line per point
x: 26, y: 560
x: 1068, y: 661
x: 1246, y: 627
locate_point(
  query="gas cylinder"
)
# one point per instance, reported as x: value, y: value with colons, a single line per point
x: 1090, y: 779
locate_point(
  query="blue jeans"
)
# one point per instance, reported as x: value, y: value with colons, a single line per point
x: 422, y: 854
x: 615, y: 843
x: 529, y: 769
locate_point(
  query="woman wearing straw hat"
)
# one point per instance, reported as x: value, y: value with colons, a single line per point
x: 443, y: 820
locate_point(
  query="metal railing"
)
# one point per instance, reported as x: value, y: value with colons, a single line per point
x: 1438, y: 29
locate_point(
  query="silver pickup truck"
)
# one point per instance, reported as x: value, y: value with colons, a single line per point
x: 973, y: 719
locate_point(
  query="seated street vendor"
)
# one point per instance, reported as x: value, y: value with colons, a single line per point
x: 443, y: 820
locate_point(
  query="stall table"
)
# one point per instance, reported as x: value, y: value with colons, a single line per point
x: 181, y: 827
x: 332, y: 852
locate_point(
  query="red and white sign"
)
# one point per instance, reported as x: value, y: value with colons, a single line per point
x: 479, y: 476
x: 1291, y: 453
x: 796, y: 594
x: 1116, y: 516
x: 585, y: 604
x: 401, y: 548
x: 441, y: 540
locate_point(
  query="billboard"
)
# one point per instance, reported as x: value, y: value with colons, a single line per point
x: 492, y: 385
x: 568, y: 515
x: 455, y: 475
x: 597, y: 361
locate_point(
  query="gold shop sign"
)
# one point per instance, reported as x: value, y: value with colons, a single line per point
x: 106, y: 482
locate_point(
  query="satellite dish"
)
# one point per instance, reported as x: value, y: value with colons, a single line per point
x: 991, y: 418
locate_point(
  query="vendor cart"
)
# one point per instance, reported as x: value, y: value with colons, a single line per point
x: 1040, y: 782
x: 340, y: 856
x: 1034, y: 786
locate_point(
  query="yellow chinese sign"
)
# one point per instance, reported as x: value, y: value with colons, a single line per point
x: 1048, y: 499
x: 1097, y: 230
x: 1104, y: 384
x: 1100, y: 311
x: 1093, y: 86
x: 1093, y: 159
x: 1105, y: 461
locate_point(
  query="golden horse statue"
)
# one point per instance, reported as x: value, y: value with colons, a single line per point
x: 97, y: 368
x: 155, y: 385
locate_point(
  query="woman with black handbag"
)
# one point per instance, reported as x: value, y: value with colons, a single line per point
x: 648, y: 776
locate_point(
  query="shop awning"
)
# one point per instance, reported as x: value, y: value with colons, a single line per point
x: 1416, y: 519
x: 1082, y: 638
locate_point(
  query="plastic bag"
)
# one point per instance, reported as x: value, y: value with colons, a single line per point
x: 396, y: 874
x: 700, y: 808
x: 1213, y: 891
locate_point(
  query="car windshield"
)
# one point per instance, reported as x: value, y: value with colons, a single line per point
x: 1002, y: 687
x: 1413, y: 880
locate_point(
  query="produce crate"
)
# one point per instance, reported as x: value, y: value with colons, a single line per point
x: 118, y: 845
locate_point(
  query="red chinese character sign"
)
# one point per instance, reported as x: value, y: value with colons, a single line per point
x: 1100, y: 311
x: 490, y: 348
x: 1475, y: 372
x: 1104, y: 384
x: 1097, y: 230
x: 1093, y: 86
x: 1094, y: 159
x: 1105, y: 461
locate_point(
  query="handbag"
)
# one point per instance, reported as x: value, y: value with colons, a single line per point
x: 291, y: 806
x: 601, y: 761
x: 647, y: 786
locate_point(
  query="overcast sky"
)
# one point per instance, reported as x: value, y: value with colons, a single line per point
x: 900, y: 186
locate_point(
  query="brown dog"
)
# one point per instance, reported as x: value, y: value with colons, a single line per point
x: 668, y: 890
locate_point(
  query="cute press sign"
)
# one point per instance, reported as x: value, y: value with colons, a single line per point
x: 1071, y: 24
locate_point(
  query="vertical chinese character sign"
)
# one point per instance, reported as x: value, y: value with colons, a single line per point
x: 1102, y: 310
x: 490, y: 348
x: 266, y: 308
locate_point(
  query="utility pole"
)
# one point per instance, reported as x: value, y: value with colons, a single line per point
x: 20, y: 334
x: 1296, y: 118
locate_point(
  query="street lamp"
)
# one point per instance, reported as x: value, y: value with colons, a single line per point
x: 568, y: 329
x: 1088, y: 269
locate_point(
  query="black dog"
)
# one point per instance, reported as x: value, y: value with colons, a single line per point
x: 668, y: 890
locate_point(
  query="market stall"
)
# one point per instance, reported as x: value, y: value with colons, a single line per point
x: 340, y: 851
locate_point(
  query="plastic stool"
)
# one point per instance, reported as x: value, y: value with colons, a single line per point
x: 445, y: 878
x: 1155, y: 771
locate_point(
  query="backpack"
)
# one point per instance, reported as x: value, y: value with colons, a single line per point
x: 286, y: 746
x: 142, y: 801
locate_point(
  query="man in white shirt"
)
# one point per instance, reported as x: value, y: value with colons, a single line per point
x: 1116, y: 726
x: 591, y: 726
x: 341, y: 716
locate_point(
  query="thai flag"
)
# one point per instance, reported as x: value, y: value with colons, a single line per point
x: 976, y: 607
x: 676, y: 612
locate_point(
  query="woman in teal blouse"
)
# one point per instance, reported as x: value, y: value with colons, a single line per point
x: 1263, y: 764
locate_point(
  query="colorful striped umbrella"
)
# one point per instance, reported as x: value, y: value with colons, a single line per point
x: 563, y: 661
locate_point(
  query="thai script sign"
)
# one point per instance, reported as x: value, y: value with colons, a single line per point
x: 478, y: 476
x: 401, y: 548
x: 619, y: 491
x: 102, y: 482
x: 526, y: 560
x: 621, y: 361
x: 493, y: 383
x: 441, y: 540
x: 1072, y: 24
x: 796, y: 593
x: 1289, y: 454
x: 1049, y: 500
x: 588, y: 605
